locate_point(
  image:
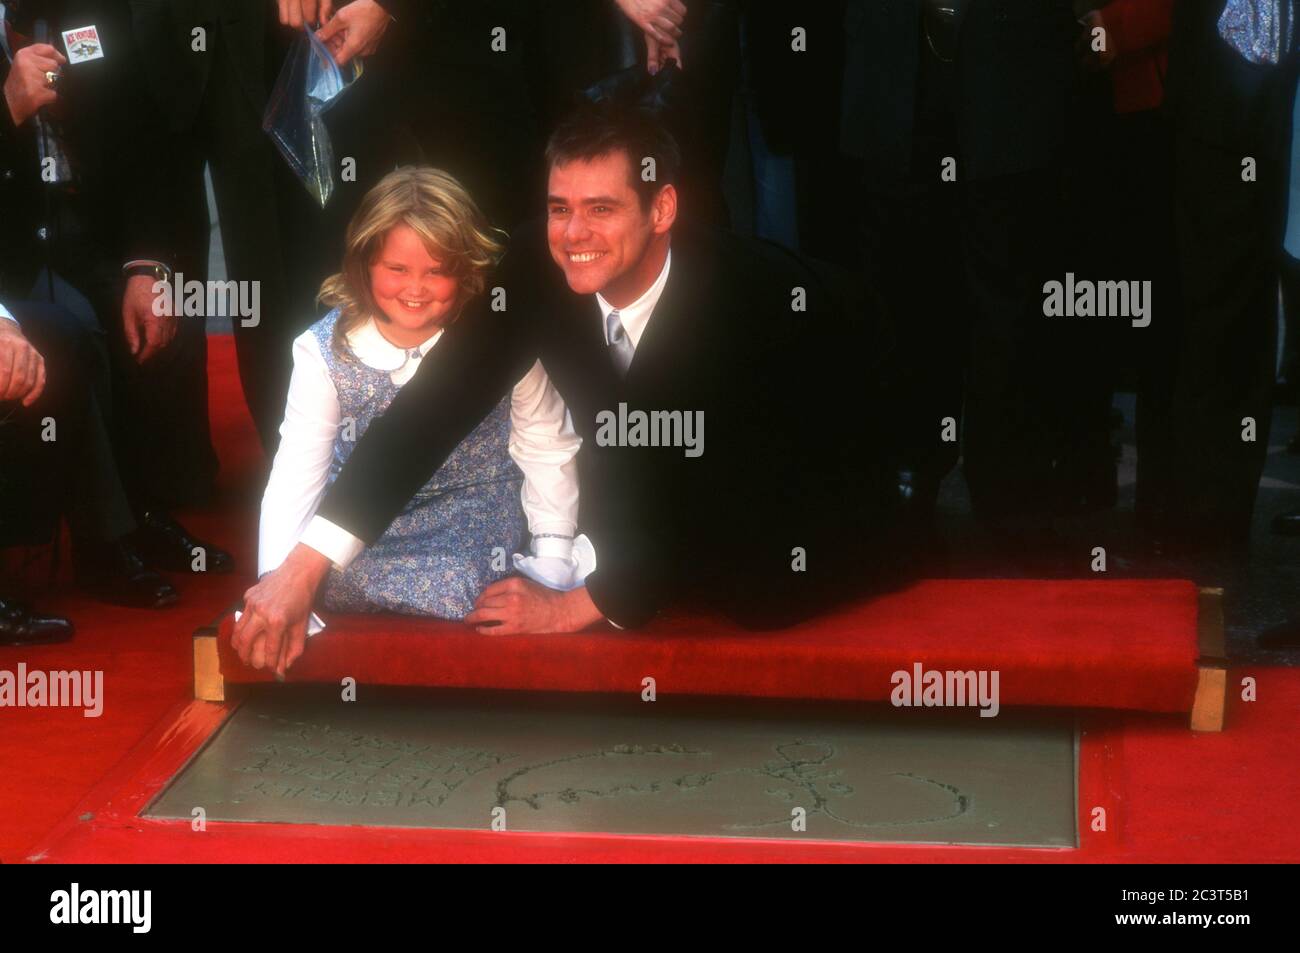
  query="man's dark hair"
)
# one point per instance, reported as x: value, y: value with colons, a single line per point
x: 593, y: 130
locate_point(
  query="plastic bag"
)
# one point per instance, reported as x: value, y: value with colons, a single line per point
x: 1262, y: 31
x: 310, y: 82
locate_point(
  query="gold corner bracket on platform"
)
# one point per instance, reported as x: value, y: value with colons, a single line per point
x: 1211, y: 702
x: 209, y: 686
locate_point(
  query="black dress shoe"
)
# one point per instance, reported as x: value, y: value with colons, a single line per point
x: 1287, y: 524
x: 115, y: 573
x: 19, y: 627
x: 167, y: 544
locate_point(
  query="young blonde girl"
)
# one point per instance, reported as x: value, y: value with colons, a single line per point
x: 418, y: 250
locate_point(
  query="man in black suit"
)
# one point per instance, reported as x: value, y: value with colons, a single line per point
x: 957, y: 109
x: 1232, y: 134
x: 75, y: 171
x: 771, y: 508
x: 208, y: 69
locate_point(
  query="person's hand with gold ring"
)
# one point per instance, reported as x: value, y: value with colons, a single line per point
x: 28, y: 87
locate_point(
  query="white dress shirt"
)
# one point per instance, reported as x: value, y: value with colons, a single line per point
x: 542, y: 442
x: 636, y: 315
x: 4, y: 313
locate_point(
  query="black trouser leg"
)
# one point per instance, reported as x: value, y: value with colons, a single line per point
x: 242, y: 163
x: 45, y: 448
x: 1012, y: 411
x: 1228, y: 238
x: 161, y: 406
x: 913, y: 259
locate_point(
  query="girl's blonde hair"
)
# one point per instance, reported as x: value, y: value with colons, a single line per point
x: 441, y: 212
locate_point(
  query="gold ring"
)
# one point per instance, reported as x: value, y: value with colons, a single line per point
x: 51, y: 78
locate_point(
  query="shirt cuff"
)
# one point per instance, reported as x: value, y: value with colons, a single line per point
x: 555, y: 546
x: 4, y: 313
x: 564, y: 567
x: 333, y: 542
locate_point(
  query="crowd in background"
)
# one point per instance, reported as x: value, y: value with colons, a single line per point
x: 951, y: 157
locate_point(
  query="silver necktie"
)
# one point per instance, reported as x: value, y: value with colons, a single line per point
x: 620, y: 345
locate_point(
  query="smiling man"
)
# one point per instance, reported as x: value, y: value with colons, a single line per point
x: 785, y: 511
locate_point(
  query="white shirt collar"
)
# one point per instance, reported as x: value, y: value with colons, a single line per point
x: 375, y: 350
x: 636, y: 315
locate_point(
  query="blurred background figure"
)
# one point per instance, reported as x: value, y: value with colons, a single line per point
x: 793, y: 74
x: 72, y: 152
x: 207, y: 105
x: 1119, y: 199
x: 1230, y: 102
x: 958, y: 113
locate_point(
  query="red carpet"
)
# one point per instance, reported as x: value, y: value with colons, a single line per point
x: 52, y: 756
x: 1169, y: 794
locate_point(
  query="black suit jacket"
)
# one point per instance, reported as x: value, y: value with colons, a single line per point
x: 177, y: 75
x: 788, y: 447
x: 1014, y: 66
x: 111, y: 143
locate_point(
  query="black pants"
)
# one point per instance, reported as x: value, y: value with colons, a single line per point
x: 56, y: 458
x: 1222, y: 353
x: 961, y: 266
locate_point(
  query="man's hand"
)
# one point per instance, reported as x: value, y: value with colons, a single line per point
x: 146, y: 332
x: 272, y: 631
x: 22, y: 369
x: 660, y: 20
x: 300, y: 13
x: 522, y: 606
x: 355, y: 30
x: 657, y: 54
x: 26, y: 89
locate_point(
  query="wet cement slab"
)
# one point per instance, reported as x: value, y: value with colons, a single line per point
x: 403, y: 758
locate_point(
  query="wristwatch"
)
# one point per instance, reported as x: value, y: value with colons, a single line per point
x: 150, y: 269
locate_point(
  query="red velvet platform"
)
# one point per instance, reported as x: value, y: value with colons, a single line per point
x: 1125, y: 644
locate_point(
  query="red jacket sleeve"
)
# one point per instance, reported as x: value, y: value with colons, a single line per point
x: 1135, y: 25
